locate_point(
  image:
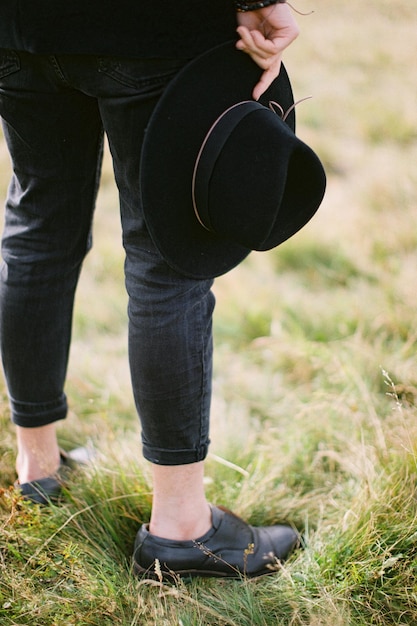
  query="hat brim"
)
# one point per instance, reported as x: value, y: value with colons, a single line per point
x: 193, y: 100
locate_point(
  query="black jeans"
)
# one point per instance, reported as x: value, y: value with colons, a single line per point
x: 55, y: 111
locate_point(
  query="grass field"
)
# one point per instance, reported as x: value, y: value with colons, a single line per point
x: 315, y: 387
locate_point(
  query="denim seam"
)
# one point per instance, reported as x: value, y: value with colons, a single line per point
x: 203, y: 382
x: 58, y: 70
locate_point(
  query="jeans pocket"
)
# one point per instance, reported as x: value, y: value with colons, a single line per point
x: 9, y: 62
x: 140, y: 74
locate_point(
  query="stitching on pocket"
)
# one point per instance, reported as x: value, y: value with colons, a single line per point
x: 137, y: 78
x: 9, y: 62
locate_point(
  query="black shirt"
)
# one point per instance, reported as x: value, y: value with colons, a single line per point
x: 134, y: 28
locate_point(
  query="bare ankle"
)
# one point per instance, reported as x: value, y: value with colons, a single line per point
x: 38, y: 453
x: 180, y: 524
x: 180, y: 510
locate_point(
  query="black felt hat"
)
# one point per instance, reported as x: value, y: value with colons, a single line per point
x: 221, y: 174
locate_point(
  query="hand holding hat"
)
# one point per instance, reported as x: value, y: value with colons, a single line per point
x: 264, y: 35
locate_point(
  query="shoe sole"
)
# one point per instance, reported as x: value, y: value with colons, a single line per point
x: 171, y: 576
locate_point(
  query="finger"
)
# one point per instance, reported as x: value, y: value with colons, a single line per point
x: 246, y: 39
x: 254, y: 39
x: 264, y: 42
x: 266, y: 80
x: 263, y: 59
x: 265, y: 56
x: 274, y: 44
x: 265, y: 62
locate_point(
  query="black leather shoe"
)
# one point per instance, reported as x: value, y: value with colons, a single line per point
x: 230, y: 549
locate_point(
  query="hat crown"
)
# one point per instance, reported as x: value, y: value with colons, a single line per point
x: 254, y: 181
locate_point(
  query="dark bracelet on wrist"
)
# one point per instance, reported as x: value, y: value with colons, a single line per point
x: 252, y: 5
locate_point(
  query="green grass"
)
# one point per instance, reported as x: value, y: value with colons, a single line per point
x: 315, y: 386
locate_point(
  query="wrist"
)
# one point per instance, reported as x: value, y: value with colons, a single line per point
x: 242, y: 6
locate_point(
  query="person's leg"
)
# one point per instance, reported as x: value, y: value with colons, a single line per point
x: 170, y: 335
x: 54, y: 137
x: 170, y: 348
x: 170, y: 351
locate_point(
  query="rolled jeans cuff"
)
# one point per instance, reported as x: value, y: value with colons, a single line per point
x: 164, y: 456
x: 33, y: 414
